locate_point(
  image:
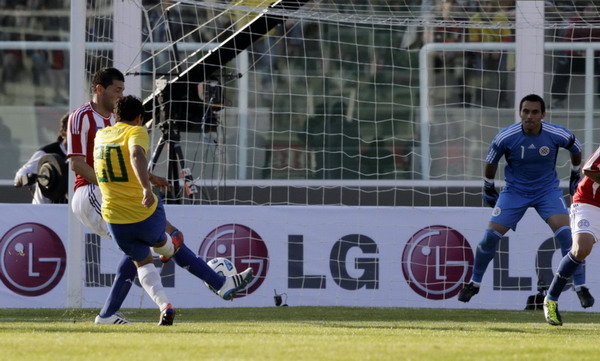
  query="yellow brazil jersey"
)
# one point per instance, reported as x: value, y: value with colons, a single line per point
x: 122, y: 193
x: 493, y: 34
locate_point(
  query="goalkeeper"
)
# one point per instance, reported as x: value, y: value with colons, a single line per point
x: 530, y: 148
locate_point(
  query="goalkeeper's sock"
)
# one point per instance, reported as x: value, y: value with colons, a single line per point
x: 564, y: 238
x: 120, y: 288
x: 150, y: 281
x: 485, y: 253
x: 566, y: 268
x: 186, y: 259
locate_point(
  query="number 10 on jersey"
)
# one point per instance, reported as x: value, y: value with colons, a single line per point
x: 112, y: 164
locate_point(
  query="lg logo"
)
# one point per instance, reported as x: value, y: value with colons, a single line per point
x: 243, y: 247
x: 436, y: 261
x: 32, y: 259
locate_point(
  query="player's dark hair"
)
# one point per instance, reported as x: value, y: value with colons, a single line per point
x: 128, y: 108
x: 106, y: 76
x: 533, y: 98
x: 64, y: 121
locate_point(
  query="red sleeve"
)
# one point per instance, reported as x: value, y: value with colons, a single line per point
x: 77, y: 130
x: 593, y: 162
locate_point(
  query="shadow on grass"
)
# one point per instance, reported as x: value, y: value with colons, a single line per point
x: 302, y: 314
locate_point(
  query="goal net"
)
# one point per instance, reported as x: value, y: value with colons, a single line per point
x: 369, y: 103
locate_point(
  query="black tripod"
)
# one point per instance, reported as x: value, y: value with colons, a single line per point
x: 170, y: 136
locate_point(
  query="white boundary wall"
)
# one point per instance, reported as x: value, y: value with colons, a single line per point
x: 311, y: 234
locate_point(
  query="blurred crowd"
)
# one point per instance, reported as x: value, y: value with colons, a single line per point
x: 484, y: 78
x: 471, y: 72
x: 42, y: 71
x: 469, y: 78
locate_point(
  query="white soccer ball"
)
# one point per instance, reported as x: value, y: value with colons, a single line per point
x: 221, y: 266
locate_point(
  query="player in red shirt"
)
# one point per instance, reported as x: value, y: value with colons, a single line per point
x: 585, y: 213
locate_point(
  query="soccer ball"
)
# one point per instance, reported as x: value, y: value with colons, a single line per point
x: 221, y: 266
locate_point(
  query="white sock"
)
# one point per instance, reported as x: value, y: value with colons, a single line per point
x: 150, y: 280
x: 166, y: 250
x: 476, y: 284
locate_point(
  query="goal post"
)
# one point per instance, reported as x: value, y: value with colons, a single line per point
x: 76, y: 98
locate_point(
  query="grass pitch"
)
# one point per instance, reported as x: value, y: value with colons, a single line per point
x: 300, y: 333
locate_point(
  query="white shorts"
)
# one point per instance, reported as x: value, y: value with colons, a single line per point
x: 86, y: 204
x: 585, y: 218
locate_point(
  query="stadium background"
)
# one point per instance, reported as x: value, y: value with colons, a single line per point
x: 35, y: 84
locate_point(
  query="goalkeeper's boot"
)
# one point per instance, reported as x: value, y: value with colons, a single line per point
x: 586, y: 299
x: 115, y: 319
x: 468, y: 291
x: 167, y: 315
x: 235, y: 283
x: 177, y: 238
x: 551, y: 313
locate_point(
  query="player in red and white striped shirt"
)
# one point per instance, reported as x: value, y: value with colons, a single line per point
x: 108, y: 85
x: 585, y: 226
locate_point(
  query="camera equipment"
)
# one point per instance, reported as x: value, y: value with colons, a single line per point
x: 190, y: 108
x: 536, y: 302
x: 278, y: 298
x: 51, y: 177
x: 170, y: 135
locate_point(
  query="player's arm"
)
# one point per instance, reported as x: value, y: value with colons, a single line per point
x: 157, y: 181
x: 30, y: 167
x: 490, y: 195
x: 80, y: 166
x: 575, y: 172
x: 160, y: 182
x: 574, y: 148
x: 593, y: 175
x: 489, y: 172
x: 576, y: 160
x: 140, y: 168
x: 77, y: 136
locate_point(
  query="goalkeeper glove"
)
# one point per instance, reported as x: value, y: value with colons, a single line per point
x: 490, y: 195
x: 574, y: 181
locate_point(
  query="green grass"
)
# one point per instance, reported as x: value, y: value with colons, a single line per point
x: 300, y: 333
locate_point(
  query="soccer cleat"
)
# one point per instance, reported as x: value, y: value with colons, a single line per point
x: 167, y: 315
x: 177, y: 238
x: 115, y: 319
x: 235, y: 283
x: 551, y: 313
x: 586, y: 299
x: 468, y: 291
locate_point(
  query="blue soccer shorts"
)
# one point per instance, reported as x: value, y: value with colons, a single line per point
x: 135, y: 238
x: 511, y: 206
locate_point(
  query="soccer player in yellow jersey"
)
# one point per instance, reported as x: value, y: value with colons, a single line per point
x: 136, y: 217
